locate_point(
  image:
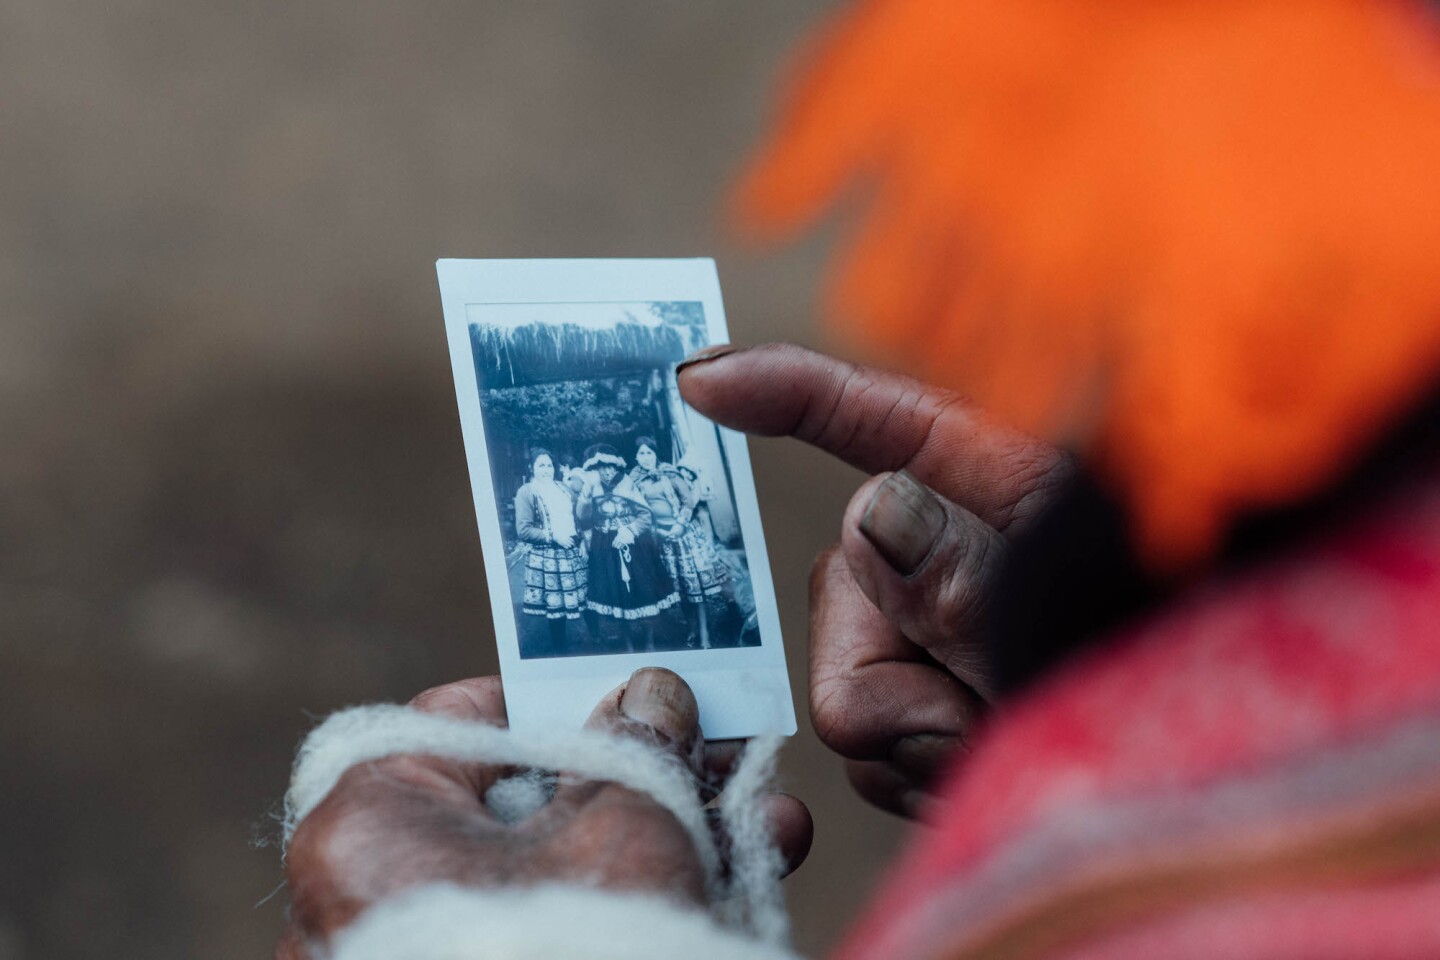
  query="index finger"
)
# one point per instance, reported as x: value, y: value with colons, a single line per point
x: 877, y: 421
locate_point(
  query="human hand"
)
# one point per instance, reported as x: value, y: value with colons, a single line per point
x: 897, y: 667
x: 624, y: 537
x: 410, y: 820
x: 567, y: 542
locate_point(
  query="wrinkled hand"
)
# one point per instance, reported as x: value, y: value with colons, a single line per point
x: 897, y: 669
x: 410, y: 820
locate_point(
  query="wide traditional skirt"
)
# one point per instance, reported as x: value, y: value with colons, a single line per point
x: 629, y: 584
x: 692, y: 563
x: 556, y: 580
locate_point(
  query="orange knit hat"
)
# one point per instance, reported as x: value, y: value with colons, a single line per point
x: 1198, y: 240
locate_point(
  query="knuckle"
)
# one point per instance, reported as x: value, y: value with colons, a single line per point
x: 820, y: 420
x: 839, y: 715
x: 357, y: 844
x: 307, y: 856
x: 1037, y: 473
x: 628, y: 833
x: 867, y: 406
x: 315, y: 865
x: 449, y: 699
x: 962, y: 592
x: 880, y: 785
x: 410, y: 770
x: 331, y: 830
x: 828, y: 564
x: 636, y: 818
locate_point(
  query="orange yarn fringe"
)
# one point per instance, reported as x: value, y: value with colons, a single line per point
x: 1198, y: 240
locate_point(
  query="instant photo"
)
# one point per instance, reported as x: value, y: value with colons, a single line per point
x: 620, y: 527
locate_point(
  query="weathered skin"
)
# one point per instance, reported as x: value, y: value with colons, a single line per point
x: 897, y: 674
x: 409, y: 820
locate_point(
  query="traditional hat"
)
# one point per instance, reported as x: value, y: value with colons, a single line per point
x: 602, y: 453
x: 1204, y: 249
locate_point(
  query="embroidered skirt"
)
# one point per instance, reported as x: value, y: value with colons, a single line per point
x: 693, y: 564
x: 555, y: 582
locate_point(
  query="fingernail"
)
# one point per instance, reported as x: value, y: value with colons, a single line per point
x: 707, y: 353
x: 661, y: 700
x: 903, y: 521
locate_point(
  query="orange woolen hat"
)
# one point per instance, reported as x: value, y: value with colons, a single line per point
x: 1198, y: 240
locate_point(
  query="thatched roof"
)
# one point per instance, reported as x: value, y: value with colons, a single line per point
x: 541, y: 353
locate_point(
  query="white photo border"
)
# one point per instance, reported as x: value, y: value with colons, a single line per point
x: 743, y: 691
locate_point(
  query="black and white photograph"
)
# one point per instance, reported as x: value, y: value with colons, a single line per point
x: 619, y: 527
x: 615, y: 502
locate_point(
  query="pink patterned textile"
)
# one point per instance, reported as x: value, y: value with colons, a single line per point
x: 1252, y: 773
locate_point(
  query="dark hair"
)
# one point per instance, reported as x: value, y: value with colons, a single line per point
x: 535, y: 454
x: 644, y: 441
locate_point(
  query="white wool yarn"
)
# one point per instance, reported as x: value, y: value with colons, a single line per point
x: 515, y: 798
x: 755, y: 896
x: 362, y: 734
x: 749, y: 900
x: 445, y: 922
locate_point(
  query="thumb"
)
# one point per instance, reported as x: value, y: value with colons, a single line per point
x: 929, y: 566
x: 657, y: 707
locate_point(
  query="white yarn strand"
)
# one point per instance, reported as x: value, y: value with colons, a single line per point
x: 755, y: 899
x: 445, y: 922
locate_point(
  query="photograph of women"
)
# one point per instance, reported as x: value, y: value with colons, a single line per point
x: 615, y: 500
x: 620, y: 528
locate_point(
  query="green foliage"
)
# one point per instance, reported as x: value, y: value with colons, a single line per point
x: 569, y: 415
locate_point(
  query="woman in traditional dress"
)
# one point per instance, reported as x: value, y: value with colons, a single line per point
x: 555, y: 569
x: 631, y: 600
x: 688, y: 552
x: 737, y: 622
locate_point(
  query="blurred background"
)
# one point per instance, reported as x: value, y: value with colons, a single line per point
x: 232, y: 487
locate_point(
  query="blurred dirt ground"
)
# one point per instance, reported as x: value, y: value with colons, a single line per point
x: 232, y: 486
